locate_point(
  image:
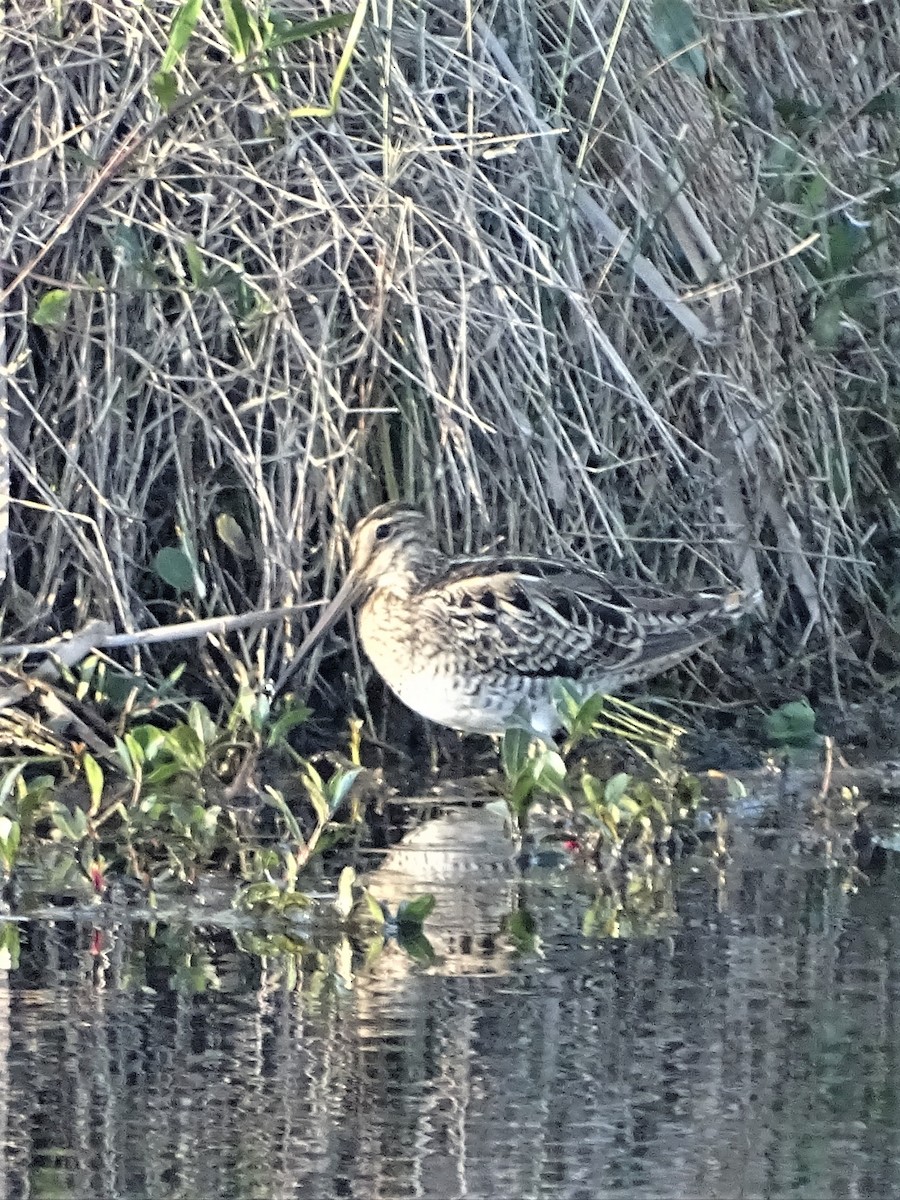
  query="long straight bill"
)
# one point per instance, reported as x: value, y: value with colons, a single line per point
x: 332, y: 612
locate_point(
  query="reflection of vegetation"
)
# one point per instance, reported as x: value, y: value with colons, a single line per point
x: 640, y: 905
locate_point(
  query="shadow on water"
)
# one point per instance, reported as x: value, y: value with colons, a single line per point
x: 734, y: 1031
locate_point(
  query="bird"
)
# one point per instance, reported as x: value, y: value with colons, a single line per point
x: 482, y: 643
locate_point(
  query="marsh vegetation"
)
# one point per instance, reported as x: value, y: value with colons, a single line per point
x: 616, y: 281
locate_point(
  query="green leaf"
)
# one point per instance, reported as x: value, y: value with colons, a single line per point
x: 233, y: 536
x: 277, y: 801
x: 412, y: 914
x: 826, y: 325
x: 567, y: 703
x: 10, y: 836
x: 175, y: 568
x: 320, y: 805
x: 125, y: 758
x: 144, y: 742
x: 344, y: 900
x: 199, y: 275
x: 163, y: 773
x: 52, y: 309
x: 72, y: 825
x: 164, y: 89
x: 416, y: 945
x: 591, y: 709
x: 256, y: 895
x: 289, y: 31
x: 616, y: 787
x: 672, y: 29
x: 93, y: 773
x: 521, y: 929
x: 202, y: 723
x: 793, y: 724
x: 184, y: 745
x: 286, y: 722
x: 551, y: 771
x: 339, y: 786
x: 847, y: 243
x: 183, y: 25
x: 9, y: 946
x: 240, y: 29
x: 372, y: 908
x: 514, y: 751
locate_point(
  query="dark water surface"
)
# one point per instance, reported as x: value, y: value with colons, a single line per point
x: 731, y: 1030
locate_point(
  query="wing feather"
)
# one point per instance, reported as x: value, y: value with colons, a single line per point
x: 536, y: 617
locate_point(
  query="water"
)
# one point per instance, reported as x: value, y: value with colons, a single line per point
x: 743, y: 1040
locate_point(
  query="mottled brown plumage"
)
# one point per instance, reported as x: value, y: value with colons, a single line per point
x: 480, y: 643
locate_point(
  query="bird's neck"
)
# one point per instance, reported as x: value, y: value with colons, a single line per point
x: 411, y: 572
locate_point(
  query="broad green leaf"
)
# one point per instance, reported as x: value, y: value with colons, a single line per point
x: 164, y: 89
x: 551, y: 771
x: 344, y: 899
x: 412, y: 914
x: 93, y: 773
x: 52, y: 309
x: 522, y: 792
x: 591, y: 709
x: 174, y: 567
x: 145, y: 742
x: 793, y: 724
x: 183, y: 25
x: 514, y: 751
x: 826, y: 325
x: 566, y: 702
x: 847, y: 243
x: 233, y: 536
x: 183, y: 744
x: 163, y: 773
x: 202, y: 723
x: 416, y: 945
x: 72, y: 825
x: 373, y: 908
x: 616, y: 787
x: 339, y: 786
x: 672, y: 29
x: 521, y: 929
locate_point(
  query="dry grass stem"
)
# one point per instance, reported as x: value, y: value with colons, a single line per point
x: 534, y: 274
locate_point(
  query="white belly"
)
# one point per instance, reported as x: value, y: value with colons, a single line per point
x: 473, y: 706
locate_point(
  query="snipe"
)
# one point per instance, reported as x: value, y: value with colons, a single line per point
x: 481, y: 643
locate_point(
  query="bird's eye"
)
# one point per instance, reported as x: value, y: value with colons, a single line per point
x: 382, y: 531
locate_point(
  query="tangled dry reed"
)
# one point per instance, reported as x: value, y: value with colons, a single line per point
x: 533, y: 275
